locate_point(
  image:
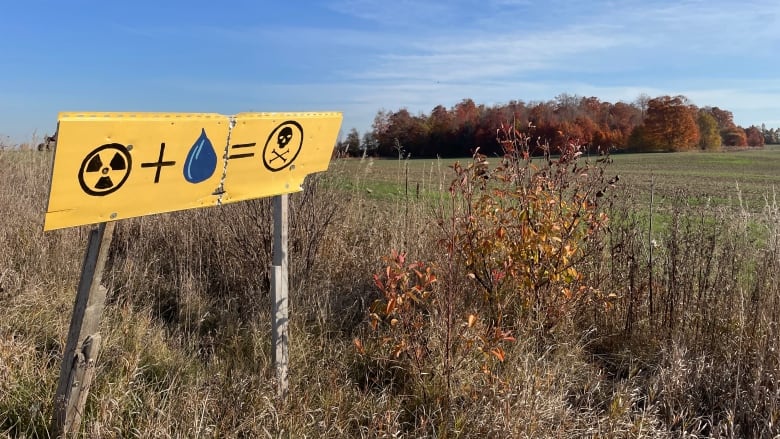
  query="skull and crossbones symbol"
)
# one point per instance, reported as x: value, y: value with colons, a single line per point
x: 283, y: 145
x: 285, y: 135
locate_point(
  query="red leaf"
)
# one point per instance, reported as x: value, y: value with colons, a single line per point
x: 499, y: 353
x: 378, y: 283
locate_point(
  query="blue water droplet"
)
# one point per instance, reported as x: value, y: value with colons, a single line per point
x: 201, y: 161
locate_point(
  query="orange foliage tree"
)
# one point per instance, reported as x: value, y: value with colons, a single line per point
x: 754, y: 136
x: 671, y: 124
x: 734, y: 136
x: 663, y: 123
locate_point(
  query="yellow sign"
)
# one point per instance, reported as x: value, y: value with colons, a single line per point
x: 110, y: 166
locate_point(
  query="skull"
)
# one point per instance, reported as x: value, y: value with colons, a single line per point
x: 285, y: 135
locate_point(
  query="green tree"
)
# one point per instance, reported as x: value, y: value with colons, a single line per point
x: 771, y: 136
x: 352, y: 143
x: 709, y: 136
x: 639, y: 140
x: 369, y: 143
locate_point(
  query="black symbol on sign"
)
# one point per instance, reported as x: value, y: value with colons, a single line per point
x: 242, y: 155
x: 105, y: 169
x: 158, y: 164
x: 283, y: 146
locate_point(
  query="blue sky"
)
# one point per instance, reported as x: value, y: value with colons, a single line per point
x: 359, y: 56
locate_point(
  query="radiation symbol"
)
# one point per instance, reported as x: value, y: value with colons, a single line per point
x: 105, y: 169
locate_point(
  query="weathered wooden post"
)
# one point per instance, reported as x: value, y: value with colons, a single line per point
x: 280, y: 295
x: 83, y: 343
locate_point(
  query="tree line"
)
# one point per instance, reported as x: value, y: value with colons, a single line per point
x: 664, y: 123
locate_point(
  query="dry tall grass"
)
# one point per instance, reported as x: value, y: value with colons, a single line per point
x: 187, y: 332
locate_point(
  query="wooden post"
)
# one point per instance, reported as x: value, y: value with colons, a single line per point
x: 80, y: 379
x: 280, y: 296
x: 77, y: 367
x: 650, y: 247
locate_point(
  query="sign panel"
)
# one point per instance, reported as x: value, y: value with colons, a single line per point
x: 109, y: 166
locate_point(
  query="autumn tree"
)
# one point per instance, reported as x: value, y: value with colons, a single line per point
x: 486, y: 135
x: 466, y: 116
x: 642, y: 102
x: 516, y: 112
x: 381, y: 127
x: 567, y: 106
x: 725, y: 118
x: 730, y: 133
x: 622, y: 120
x: 401, y: 130
x: 754, y: 136
x: 663, y: 123
x: 734, y: 136
x: 595, y: 110
x: 709, y: 136
x: 545, y: 126
x: 441, y: 129
x: 670, y: 123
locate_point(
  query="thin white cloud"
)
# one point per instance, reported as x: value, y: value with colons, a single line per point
x: 713, y: 26
x: 479, y: 57
x: 401, y: 13
x: 503, y: 3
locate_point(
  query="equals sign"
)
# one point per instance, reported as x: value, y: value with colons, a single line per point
x: 242, y: 155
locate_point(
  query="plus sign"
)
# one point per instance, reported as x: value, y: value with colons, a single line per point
x: 158, y: 164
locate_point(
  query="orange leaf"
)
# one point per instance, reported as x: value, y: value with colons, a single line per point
x: 359, y: 346
x: 503, y: 336
x: 398, y: 349
x: 499, y: 353
x: 472, y: 320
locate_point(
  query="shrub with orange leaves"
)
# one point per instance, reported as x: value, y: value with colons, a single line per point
x: 512, y: 243
x: 522, y: 229
x: 419, y: 334
x: 406, y: 304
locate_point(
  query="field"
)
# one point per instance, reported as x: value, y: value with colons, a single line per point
x: 721, y: 176
x: 675, y: 333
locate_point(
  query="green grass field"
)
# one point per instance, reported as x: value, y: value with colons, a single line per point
x: 723, y: 177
